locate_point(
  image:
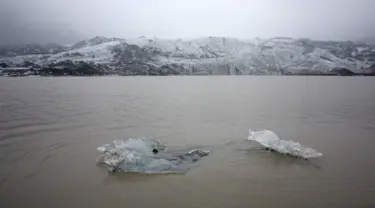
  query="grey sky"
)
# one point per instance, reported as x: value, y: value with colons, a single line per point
x: 317, y: 19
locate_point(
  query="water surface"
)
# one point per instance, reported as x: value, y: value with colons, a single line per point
x: 50, y: 128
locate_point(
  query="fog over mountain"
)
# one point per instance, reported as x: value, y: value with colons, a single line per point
x: 184, y: 37
x: 19, y: 28
x: 67, y: 21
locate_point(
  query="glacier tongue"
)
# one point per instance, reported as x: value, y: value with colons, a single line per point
x: 270, y: 140
x: 136, y: 155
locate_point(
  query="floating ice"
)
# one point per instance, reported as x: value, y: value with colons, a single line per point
x: 136, y: 155
x: 270, y: 140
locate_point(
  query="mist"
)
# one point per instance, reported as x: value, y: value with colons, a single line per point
x: 66, y: 21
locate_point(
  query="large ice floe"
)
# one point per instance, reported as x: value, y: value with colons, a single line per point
x: 271, y: 141
x: 147, y: 156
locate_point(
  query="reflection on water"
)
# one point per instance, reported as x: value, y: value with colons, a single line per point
x: 50, y: 129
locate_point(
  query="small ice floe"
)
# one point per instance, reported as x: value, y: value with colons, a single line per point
x: 147, y: 156
x: 271, y: 141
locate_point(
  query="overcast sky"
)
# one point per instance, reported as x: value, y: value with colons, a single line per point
x: 317, y: 19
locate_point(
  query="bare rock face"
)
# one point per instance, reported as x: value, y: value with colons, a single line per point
x: 342, y: 72
x: 4, y: 65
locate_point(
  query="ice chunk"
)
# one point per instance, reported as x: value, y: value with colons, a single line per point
x: 270, y: 140
x: 136, y: 155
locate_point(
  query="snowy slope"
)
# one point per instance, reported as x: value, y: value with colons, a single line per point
x: 98, y: 53
x: 215, y: 55
x: 249, y: 56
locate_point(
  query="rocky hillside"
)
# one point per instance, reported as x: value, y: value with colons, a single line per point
x: 206, y: 56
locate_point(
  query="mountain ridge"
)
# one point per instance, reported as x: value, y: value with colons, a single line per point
x: 209, y: 55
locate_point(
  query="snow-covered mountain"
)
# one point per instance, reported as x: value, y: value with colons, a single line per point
x: 211, y: 55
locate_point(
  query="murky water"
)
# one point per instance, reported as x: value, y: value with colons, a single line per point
x: 50, y: 128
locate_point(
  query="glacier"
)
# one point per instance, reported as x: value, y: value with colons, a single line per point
x: 271, y: 141
x: 138, y: 155
x: 208, y: 55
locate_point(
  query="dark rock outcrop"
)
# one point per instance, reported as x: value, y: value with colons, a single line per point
x: 86, y: 69
x: 170, y: 69
x: 127, y: 54
x: 4, y: 65
x: 342, y: 72
x: 370, y: 70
